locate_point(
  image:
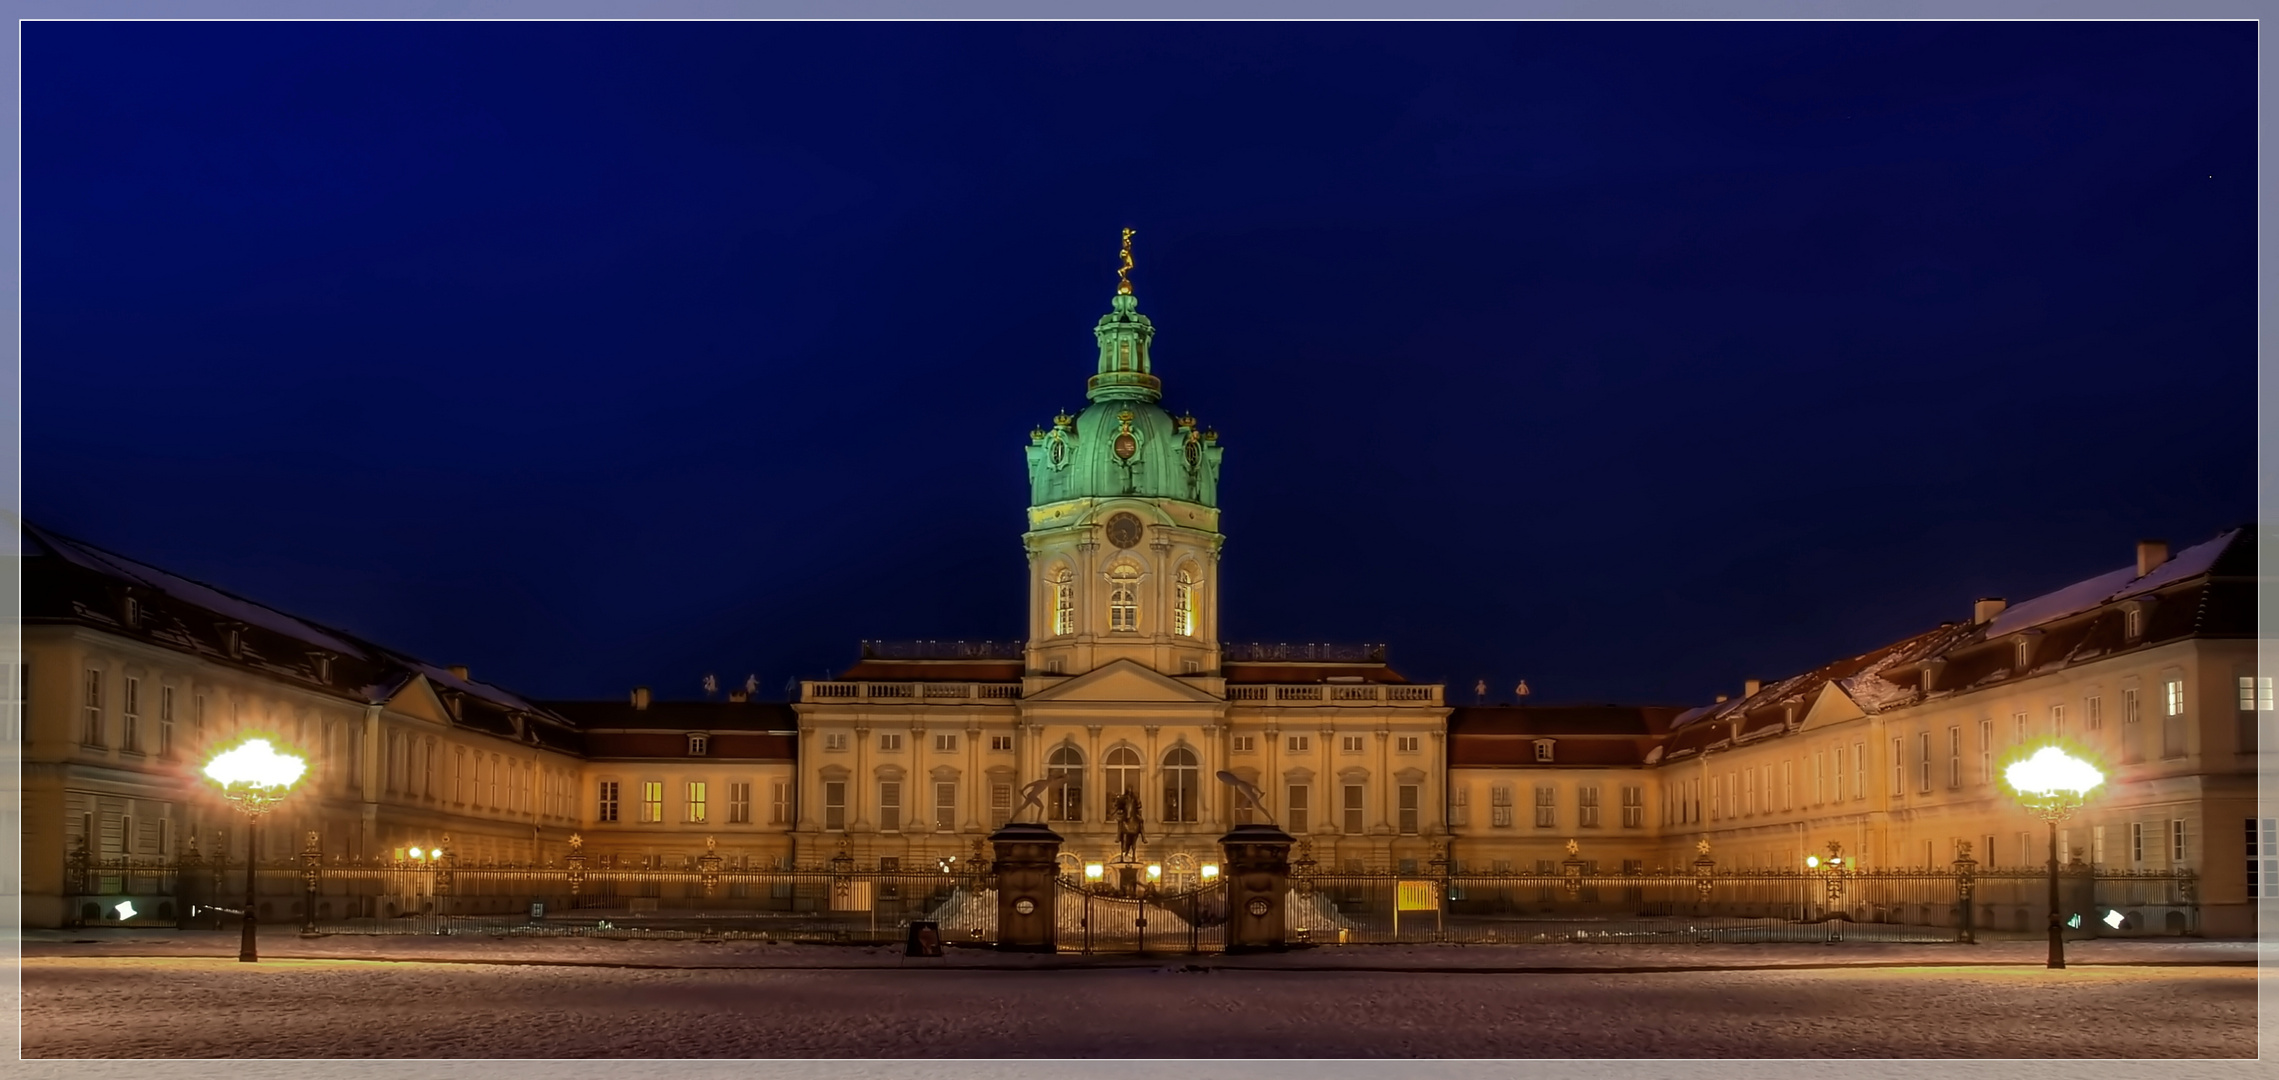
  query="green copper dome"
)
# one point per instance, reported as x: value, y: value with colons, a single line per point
x: 1124, y: 443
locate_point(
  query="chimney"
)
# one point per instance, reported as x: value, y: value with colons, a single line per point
x: 739, y: 695
x: 2150, y: 554
x: 459, y: 672
x: 640, y: 697
x: 1722, y: 699
x: 1749, y: 687
x: 1987, y: 608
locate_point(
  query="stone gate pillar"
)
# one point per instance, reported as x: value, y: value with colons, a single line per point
x: 1258, y: 887
x: 1027, y: 864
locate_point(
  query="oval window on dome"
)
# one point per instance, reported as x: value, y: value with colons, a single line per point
x: 1126, y: 446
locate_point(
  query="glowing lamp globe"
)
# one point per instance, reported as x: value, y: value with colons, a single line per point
x: 1210, y: 871
x: 254, y: 775
x: 2052, y: 781
x: 1812, y: 862
x: 1094, y: 871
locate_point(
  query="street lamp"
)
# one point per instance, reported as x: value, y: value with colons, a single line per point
x: 2053, y: 784
x: 254, y: 777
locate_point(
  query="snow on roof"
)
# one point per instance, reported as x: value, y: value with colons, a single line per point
x: 2106, y: 588
x: 192, y: 592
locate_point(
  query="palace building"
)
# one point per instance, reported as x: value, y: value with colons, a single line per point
x: 131, y: 675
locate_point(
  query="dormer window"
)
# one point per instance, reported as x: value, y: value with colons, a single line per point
x: 2132, y: 623
x: 130, y: 612
x: 698, y: 744
x: 2023, y: 650
x: 1543, y: 750
x: 321, y: 663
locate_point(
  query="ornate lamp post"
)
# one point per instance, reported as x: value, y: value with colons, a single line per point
x: 2052, y: 784
x: 254, y: 777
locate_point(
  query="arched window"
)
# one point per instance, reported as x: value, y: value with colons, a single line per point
x: 1063, y: 602
x: 1179, y: 785
x: 1183, y: 613
x: 1123, y: 599
x: 1121, y: 771
x: 1066, y: 802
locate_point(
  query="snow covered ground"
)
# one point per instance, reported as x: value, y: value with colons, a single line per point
x: 169, y: 994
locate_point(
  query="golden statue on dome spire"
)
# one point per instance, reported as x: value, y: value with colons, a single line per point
x: 1123, y: 280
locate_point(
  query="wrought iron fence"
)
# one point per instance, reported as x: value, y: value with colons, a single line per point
x: 1707, y: 903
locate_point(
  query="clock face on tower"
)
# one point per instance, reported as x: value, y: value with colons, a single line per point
x: 1124, y: 531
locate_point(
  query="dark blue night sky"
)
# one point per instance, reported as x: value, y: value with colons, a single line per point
x: 1632, y: 359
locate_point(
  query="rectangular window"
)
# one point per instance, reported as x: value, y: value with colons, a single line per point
x: 1820, y: 776
x: 890, y: 806
x: 740, y: 803
x: 2172, y: 719
x: 1460, y: 805
x: 698, y: 744
x: 130, y: 716
x: 2057, y: 721
x: 2132, y: 728
x: 1246, y: 744
x: 165, y: 721
x: 1353, y: 796
x: 1633, y: 806
x: 834, y: 741
x: 890, y: 743
x: 1586, y: 808
x: 2136, y: 842
x: 1859, y: 770
x: 1407, y: 744
x: 2176, y: 842
x: 1296, y: 744
x: 2093, y: 714
x: 1716, y: 798
x: 945, y: 806
x: 1000, y: 804
x: 1001, y: 742
x: 2097, y: 845
x: 2018, y: 729
x: 696, y: 804
x: 835, y: 805
x: 1954, y: 757
x: 652, y: 799
x: 1411, y: 795
x: 1838, y: 773
x: 2263, y: 860
x: 779, y: 803
x: 1898, y: 766
x: 1787, y: 785
x: 1298, y: 808
x: 1546, y: 807
x: 945, y: 744
x: 91, y: 724
x: 1749, y: 792
x: 1923, y: 760
x: 1986, y: 751
x: 1351, y: 744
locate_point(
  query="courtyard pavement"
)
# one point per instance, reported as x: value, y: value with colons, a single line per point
x: 171, y: 994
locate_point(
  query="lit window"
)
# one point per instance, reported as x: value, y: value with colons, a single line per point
x: 652, y: 800
x: 696, y: 808
x: 1183, y: 615
x: 1063, y: 603
x: 1123, y: 599
x: 2172, y: 729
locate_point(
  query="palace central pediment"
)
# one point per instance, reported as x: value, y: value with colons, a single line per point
x: 1122, y: 682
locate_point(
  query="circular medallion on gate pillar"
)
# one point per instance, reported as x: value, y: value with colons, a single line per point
x: 1258, y: 906
x: 1124, y: 531
x: 1024, y: 905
